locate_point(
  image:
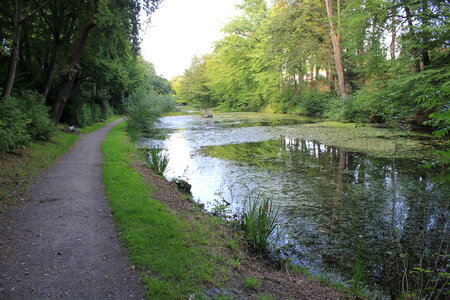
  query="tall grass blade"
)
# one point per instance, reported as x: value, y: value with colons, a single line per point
x: 259, y: 221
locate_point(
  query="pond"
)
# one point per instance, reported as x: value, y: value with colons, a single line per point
x: 350, y: 197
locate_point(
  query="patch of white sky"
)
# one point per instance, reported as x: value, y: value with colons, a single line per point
x: 180, y: 29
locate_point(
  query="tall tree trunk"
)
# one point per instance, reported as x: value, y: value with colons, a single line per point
x: 393, y: 31
x: 72, y: 70
x: 51, y: 65
x: 335, y: 39
x: 412, y: 32
x: 19, y: 19
x: 14, y: 50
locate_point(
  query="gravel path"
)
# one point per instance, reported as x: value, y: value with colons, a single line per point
x: 62, y: 243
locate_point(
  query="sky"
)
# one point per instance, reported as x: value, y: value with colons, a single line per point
x: 180, y: 29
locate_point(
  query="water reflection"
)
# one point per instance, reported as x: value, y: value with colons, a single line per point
x: 341, y: 203
x: 335, y: 204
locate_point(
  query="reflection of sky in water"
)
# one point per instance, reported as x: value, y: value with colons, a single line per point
x: 332, y: 202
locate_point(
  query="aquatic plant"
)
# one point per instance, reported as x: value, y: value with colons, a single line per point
x: 220, y: 206
x: 259, y: 221
x: 158, y: 159
x: 419, y: 273
x: 357, y: 273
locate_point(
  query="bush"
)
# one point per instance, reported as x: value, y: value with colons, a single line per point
x: 368, y: 106
x: 84, y: 113
x: 402, y: 97
x: 106, y: 111
x: 13, y: 125
x: 23, y: 118
x: 144, y: 109
x: 41, y: 126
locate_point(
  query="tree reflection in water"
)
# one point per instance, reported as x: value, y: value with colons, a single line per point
x: 336, y: 204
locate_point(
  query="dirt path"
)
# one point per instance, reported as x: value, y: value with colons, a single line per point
x: 62, y: 242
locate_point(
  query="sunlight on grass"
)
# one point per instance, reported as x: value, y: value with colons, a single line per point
x: 167, y: 250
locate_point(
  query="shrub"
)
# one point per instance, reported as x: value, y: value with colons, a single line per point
x: 143, y: 110
x: 106, y: 110
x: 13, y: 125
x: 96, y: 114
x: 23, y: 118
x: 41, y: 127
x: 310, y: 102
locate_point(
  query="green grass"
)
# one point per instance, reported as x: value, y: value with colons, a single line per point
x: 18, y: 169
x: 98, y: 125
x: 172, y: 254
x: 252, y: 283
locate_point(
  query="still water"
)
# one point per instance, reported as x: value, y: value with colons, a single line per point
x: 341, y: 205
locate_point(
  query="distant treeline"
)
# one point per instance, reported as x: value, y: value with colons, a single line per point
x: 352, y: 60
x: 69, y: 61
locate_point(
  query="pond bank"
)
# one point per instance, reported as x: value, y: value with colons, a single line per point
x: 335, y: 184
x: 180, y: 251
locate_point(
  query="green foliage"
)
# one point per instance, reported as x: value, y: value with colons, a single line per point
x: 194, y: 87
x: 32, y: 104
x: 309, y: 102
x: 109, y: 69
x: 252, y: 283
x: 357, y: 273
x: 13, y: 125
x: 143, y: 110
x: 259, y: 221
x: 399, y: 99
x: 22, y: 119
x: 157, y: 159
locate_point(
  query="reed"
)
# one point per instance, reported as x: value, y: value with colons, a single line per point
x: 259, y: 221
x: 158, y: 160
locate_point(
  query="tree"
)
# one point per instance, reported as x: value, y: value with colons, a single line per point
x: 20, y: 17
x: 97, y: 10
x: 232, y: 67
x: 336, y: 42
x: 194, y: 85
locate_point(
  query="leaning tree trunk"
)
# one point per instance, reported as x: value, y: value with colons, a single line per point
x: 335, y: 40
x: 14, y: 49
x: 51, y: 65
x: 72, y: 70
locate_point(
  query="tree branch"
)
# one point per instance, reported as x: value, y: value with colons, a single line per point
x: 34, y: 12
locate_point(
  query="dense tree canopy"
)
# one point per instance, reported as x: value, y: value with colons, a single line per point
x: 78, y: 58
x: 353, y: 60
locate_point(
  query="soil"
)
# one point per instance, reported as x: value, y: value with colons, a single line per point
x: 61, y: 241
x: 275, y: 280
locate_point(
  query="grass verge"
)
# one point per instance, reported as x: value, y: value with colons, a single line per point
x: 173, y: 255
x: 18, y: 169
